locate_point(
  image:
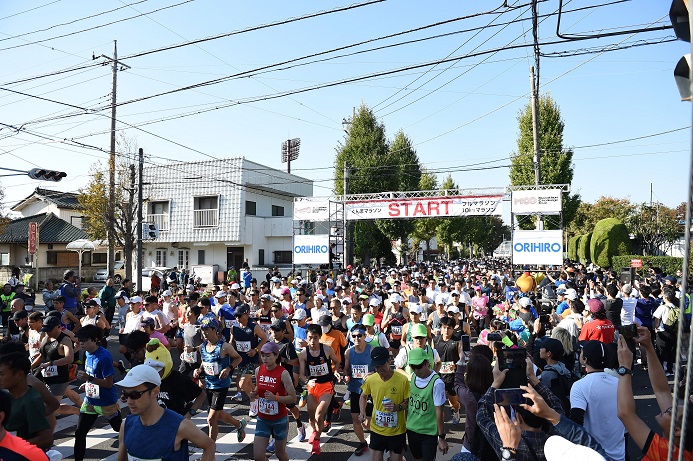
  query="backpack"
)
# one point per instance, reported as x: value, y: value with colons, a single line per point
x: 561, y: 386
x: 671, y: 324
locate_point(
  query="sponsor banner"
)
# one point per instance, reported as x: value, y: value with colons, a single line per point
x: 311, y: 249
x: 536, y: 201
x: 434, y: 207
x: 311, y: 209
x: 538, y: 247
x: 636, y: 263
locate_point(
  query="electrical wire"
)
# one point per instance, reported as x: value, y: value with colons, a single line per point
x: 30, y: 9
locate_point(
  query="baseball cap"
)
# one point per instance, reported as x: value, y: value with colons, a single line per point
x: 594, y: 352
x: 147, y: 321
x: 140, y: 374
x: 300, y: 314
x: 241, y: 310
x: 94, y: 302
x: 209, y: 322
x: 285, y: 291
x: 325, y: 320
x: 571, y: 294
x: 454, y: 309
x: 552, y: 345
x: 270, y: 347
x: 595, y: 305
x: 558, y: 448
x: 135, y: 300
x: 418, y: 330
x: 235, y: 286
x: 166, y: 293
x: 416, y: 356
x: 20, y: 315
x: 49, y: 323
x: 220, y: 294
x: 379, y: 356
x: 414, y: 308
x: 375, y: 301
x: 561, y: 291
x: 266, y: 297
x: 368, y: 320
x: 294, y: 282
x: 525, y: 302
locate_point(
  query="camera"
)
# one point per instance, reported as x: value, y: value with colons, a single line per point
x: 628, y: 331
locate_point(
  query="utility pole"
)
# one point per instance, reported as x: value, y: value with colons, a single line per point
x: 111, y: 159
x: 347, y: 232
x: 139, y: 219
x: 535, y: 135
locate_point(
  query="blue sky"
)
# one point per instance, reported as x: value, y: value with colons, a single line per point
x: 465, y: 115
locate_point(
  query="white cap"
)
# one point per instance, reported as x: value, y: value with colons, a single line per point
x: 525, y: 302
x: 294, y: 282
x: 158, y: 366
x: 235, y: 286
x: 139, y: 375
x: 330, y: 281
x: 135, y: 300
x: 557, y: 448
x: 441, y: 299
x: 220, y: 294
x: 374, y: 301
x: 396, y: 298
x: 378, y: 281
x: 415, y: 308
x: 300, y: 314
x: 571, y: 294
x: 454, y: 309
x: 166, y: 293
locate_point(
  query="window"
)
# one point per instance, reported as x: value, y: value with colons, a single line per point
x: 183, y: 259
x: 250, y: 208
x: 99, y: 258
x: 158, y: 213
x: 282, y: 257
x: 261, y: 257
x: 206, y: 212
x: 160, y: 260
x: 52, y: 257
x: 4, y: 259
x: 200, y: 256
x: 277, y: 210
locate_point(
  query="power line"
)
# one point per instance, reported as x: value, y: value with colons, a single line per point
x: 30, y: 9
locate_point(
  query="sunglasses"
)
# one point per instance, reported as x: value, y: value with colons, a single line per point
x: 416, y: 367
x: 276, y: 310
x: 357, y: 336
x: 134, y: 395
x: 420, y: 337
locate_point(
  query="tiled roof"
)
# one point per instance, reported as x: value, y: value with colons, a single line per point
x: 60, y: 199
x: 52, y: 229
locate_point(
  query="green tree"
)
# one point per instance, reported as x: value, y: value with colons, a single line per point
x: 425, y: 229
x: 588, y: 215
x: 656, y: 226
x: 610, y: 238
x: 449, y: 230
x: 556, y: 163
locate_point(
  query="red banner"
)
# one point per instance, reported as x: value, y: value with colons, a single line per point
x: 33, y: 237
x: 636, y: 263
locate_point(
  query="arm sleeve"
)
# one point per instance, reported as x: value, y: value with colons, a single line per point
x: 578, y: 435
x: 382, y: 340
x: 401, y: 359
x: 577, y: 415
x: 439, y: 394
x: 486, y: 423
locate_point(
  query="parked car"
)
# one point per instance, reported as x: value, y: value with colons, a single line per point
x: 118, y: 273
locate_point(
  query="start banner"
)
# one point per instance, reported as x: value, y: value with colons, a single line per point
x: 311, y: 249
x: 538, y: 247
x: 424, y: 207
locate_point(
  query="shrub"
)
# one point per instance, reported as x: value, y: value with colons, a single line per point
x: 583, y: 248
x: 668, y: 264
x: 572, y: 247
x: 610, y: 238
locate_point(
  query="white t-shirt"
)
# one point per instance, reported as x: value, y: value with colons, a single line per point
x: 596, y: 393
x: 401, y: 359
x: 662, y: 313
x: 628, y: 311
x: 439, y: 396
x: 569, y: 324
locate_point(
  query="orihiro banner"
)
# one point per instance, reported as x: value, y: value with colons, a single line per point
x: 424, y: 207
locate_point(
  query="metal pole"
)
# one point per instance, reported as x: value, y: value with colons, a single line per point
x: 535, y: 136
x: 111, y: 168
x: 347, y: 233
x: 139, y: 219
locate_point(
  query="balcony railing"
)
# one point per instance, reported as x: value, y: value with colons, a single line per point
x: 160, y: 219
x: 206, y: 218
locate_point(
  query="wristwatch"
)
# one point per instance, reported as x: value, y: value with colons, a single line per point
x: 508, y: 453
x: 192, y: 412
x: 441, y: 436
x: 622, y: 371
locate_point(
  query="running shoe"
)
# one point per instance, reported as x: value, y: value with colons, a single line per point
x: 347, y: 403
x: 361, y: 449
x: 337, y: 408
x: 302, y: 433
x: 238, y: 397
x: 302, y: 399
x: 455, y: 417
x: 327, y: 426
x: 311, y: 439
x: 270, y: 446
x: 240, y: 431
x: 316, y: 447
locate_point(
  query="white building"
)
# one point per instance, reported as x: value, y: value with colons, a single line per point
x: 220, y: 212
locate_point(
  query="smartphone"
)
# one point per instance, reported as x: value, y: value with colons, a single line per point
x: 628, y: 331
x: 513, y: 360
x: 466, y: 343
x: 513, y: 396
x: 494, y: 337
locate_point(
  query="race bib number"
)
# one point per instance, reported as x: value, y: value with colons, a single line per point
x: 228, y: 323
x: 92, y: 390
x: 318, y: 370
x: 376, y: 328
x: 297, y: 344
x: 242, y: 346
x: 50, y: 371
x: 385, y: 419
x: 135, y: 458
x: 268, y: 407
x: 359, y: 371
x: 189, y: 357
x: 396, y: 330
x: 265, y: 327
x: 447, y: 367
x: 211, y: 368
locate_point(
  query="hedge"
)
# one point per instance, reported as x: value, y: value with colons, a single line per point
x: 610, y: 238
x: 583, y: 248
x: 668, y: 264
x: 572, y: 247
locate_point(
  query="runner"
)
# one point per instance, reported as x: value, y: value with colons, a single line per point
x: 389, y: 392
x: 425, y: 428
x: 148, y: 422
x: 315, y: 370
x: 11, y: 446
x: 274, y: 390
x: 217, y: 369
x: 247, y: 338
x: 450, y: 352
x: 373, y: 336
x: 101, y: 398
x: 420, y: 340
x: 357, y: 365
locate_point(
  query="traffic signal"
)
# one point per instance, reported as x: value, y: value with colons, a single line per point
x: 150, y: 231
x: 46, y: 175
x: 678, y: 14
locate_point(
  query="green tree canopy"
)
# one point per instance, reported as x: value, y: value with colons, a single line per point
x: 610, y: 238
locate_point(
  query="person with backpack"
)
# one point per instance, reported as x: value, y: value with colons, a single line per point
x: 666, y: 324
x: 593, y: 401
x: 555, y: 375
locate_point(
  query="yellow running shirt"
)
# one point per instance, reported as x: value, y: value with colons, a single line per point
x: 396, y: 389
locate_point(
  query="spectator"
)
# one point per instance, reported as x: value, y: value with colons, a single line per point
x: 599, y: 328
x: 666, y: 328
